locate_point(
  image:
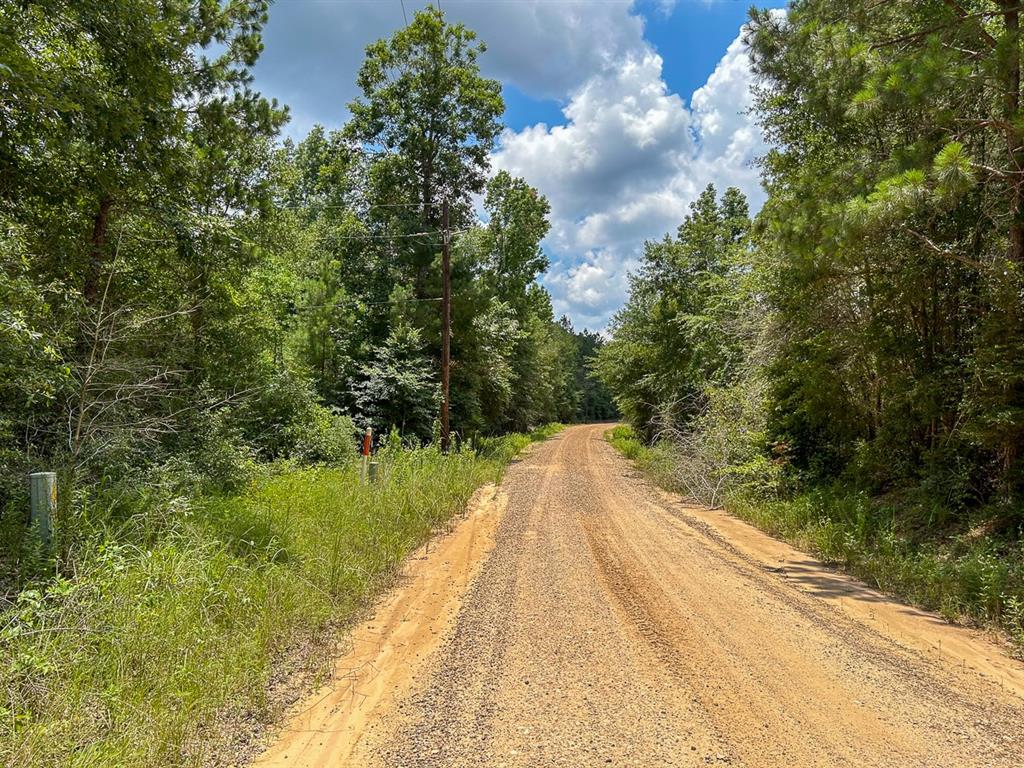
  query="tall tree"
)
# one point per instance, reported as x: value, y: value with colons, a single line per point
x: 136, y: 168
x: 895, y: 206
x: 678, y: 333
x: 428, y: 119
x: 517, y: 223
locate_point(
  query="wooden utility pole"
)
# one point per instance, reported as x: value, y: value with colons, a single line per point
x: 446, y: 326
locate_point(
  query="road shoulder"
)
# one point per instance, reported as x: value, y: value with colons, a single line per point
x: 922, y: 631
x: 389, y: 649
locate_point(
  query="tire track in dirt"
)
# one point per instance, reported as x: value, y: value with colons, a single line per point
x: 612, y: 625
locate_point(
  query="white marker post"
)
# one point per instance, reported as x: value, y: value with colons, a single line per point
x: 43, y: 494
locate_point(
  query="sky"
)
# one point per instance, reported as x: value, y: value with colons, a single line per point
x: 619, y: 111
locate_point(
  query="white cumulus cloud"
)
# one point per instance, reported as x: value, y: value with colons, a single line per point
x: 589, y: 290
x: 546, y: 49
x: 624, y: 167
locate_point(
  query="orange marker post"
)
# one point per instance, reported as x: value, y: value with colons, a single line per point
x: 367, y: 443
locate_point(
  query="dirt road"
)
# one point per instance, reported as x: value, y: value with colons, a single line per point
x: 579, y: 617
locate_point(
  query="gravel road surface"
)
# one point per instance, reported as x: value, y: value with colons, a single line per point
x: 580, y: 617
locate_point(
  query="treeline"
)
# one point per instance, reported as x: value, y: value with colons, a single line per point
x: 196, y: 318
x: 183, y: 294
x: 858, y: 346
x: 687, y: 358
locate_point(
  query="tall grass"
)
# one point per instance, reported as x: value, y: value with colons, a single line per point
x: 655, y: 461
x: 504, y: 448
x: 150, y: 636
x: 973, y: 577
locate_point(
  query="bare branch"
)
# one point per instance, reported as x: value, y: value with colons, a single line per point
x: 945, y: 251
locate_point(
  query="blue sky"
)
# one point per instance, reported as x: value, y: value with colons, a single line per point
x: 620, y: 111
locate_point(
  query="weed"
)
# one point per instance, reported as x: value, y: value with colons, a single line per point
x: 968, y: 578
x: 167, y: 620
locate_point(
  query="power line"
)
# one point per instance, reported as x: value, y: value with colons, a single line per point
x: 403, y: 13
x: 386, y: 237
x: 339, y: 237
x: 414, y: 234
x: 299, y: 206
x: 356, y: 302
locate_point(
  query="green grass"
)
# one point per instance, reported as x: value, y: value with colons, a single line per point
x: 969, y: 577
x: 973, y: 577
x: 656, y: 461
x: 624, y: 440
x: 504, y: 448
x: 152, y: 635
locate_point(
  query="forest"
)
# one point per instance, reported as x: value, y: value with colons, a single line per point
x: 184, y: 295
x: 198, y: 320
x: 200, y: 316
x: 846, y: 368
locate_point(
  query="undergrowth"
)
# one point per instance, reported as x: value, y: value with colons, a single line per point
x: 973, y: 576
x: 655, y: 461
x: 159, y: 622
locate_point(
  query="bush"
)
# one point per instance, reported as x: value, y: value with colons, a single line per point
x: 718, y: 453
x: 183, y: 608
x: 722, y: 450
x: 324, y: 436
x: 214, y: 456
x: 285, y: 419
x: 625, y: 441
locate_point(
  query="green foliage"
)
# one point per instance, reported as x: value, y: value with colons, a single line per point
x: 518, y: 221
x: 31, y: 371
x: 893, y: 245
x: 846, y: 370
x: 425, y: 105
x: 682, y: 327
x: 213, y: 456
x: 954, y: 174
x: 624, y: 440
x: 158, y: 632
x: 506, y: 447
x: 136, y: 177
x: 656, y: 461
x: 326, y: 436
x: 398, y: 387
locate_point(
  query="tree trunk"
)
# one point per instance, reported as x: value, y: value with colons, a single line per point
x: 1011, y: 18
x: 97, y: 257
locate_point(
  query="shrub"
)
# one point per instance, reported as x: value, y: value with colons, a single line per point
x: 184, y: 607
x: 324, y: 436
x: 717, y: 453
x: 214, y: 456
x: 625, y: 441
